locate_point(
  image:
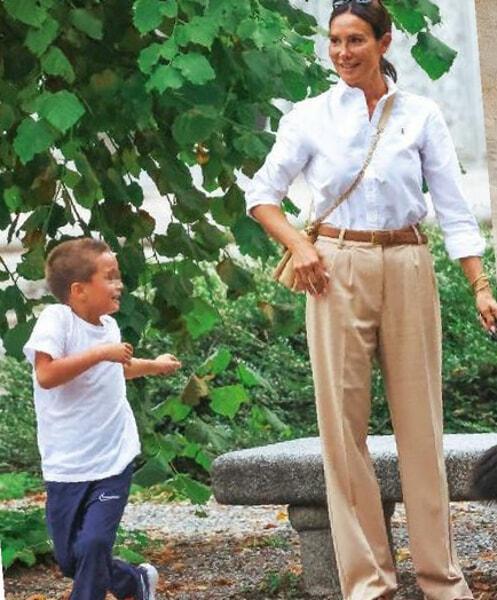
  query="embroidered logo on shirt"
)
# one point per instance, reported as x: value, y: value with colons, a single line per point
x: 104, y: 498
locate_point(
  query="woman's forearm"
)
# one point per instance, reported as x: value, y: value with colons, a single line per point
x: 277, y: 226
x: 485, y: 302
x: 472, y: 267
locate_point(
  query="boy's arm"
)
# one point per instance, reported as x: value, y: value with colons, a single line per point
x: 52, y: 372
x: 165, y: 364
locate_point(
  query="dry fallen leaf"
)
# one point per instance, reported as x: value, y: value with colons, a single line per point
x: 178, y: 566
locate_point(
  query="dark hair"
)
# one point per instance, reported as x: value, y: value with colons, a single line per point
x: 70, y: 262
x: 378, y: 17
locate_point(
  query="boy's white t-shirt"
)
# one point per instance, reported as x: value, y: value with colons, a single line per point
x: 86, y: 428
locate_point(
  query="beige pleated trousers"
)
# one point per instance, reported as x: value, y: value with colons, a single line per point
x: 383, y: 301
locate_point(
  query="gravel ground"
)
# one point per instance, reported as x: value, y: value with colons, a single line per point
x: 252, y: 553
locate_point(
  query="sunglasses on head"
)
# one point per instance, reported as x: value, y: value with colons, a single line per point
x: 337, y: 3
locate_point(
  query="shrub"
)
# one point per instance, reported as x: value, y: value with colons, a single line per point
x: 18, y: 448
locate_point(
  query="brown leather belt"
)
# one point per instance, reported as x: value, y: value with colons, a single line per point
x: 385, y: 237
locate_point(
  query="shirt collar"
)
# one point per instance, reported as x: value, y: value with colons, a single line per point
x: 342, y: 89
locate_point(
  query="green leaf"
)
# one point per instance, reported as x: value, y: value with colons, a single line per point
x: 16, y: 337
x: 216, y: 363
x: 86, y: 22
x: 62, y: 109
x: 214, y: 437
x: 173, y: 408
x: 9, y: 553
x: 148, y: 14
x: 227, y: 209
x: 26, y: 11
x: 190, y: 205
x: 263, y: 32
x: 12, y: 197
x: 26, y: 556
x: 430, y: 10
x: 195, y: 68
x: 255, y: 145
x: 210, y: 237
x: 169, y: 49
x: 405, y: 16
x: 155, y: 470
x: 55, y: 62
x: 175, y: 288
x: 201, y: 319
x: 177, y: 241
x: 262, y: 415
x: 227, y: 400
x: 129, y: 555
x: 197, y: 492
x: 290, y: 208
x: 251, y: 378
x: 149, y: 57
x: 31, y: 138
x: 281, y: 317
x: 239, y: 280
x: 195, y: 125
x: 204, y: 460
x: 261, y: 64
x: 38, y: 40
x: 252, y: 239
x: 435, y: 57
x: 200, y: 30
x: 171, y: 9
x: 7, y: 117
x: 32, y: 265
x: 165, y: 77
x: 16, y: 485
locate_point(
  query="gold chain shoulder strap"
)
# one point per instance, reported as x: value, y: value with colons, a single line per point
x: 385, y: 115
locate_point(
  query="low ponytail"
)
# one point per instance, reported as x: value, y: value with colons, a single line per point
x: 388, y: 69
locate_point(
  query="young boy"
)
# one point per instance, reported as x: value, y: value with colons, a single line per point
x: 87, y: 433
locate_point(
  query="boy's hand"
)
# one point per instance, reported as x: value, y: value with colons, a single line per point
x: 120, y: 353
x: 165, y: 364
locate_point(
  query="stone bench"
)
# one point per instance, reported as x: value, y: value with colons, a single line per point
x: 292, y: 473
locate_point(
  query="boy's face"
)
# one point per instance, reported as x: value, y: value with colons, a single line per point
x: 103, y: 292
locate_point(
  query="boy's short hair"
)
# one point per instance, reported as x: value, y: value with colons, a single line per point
x: 70, y: 262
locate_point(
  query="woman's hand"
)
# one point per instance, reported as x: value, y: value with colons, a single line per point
x: 310, y: 271
x: 487, y: 310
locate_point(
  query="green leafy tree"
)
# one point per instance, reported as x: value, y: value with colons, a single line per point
x: 94, y: 93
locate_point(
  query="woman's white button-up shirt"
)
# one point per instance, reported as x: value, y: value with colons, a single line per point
x: 327, y: 138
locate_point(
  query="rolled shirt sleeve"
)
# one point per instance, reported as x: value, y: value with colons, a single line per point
x: 442, y: 174
x: 287, y: 158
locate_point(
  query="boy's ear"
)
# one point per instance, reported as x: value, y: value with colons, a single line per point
x: 77, y: 289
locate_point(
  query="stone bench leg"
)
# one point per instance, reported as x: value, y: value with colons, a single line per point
x: 319, y: 567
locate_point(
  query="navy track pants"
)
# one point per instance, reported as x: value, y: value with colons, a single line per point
x: 82, y: 520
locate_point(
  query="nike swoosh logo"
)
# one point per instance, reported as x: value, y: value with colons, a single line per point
x: 104, y: 498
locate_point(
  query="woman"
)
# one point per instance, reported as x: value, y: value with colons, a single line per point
x: 371, y: 290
